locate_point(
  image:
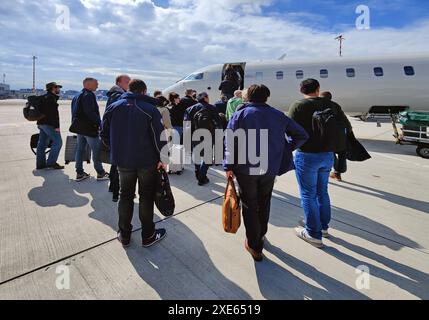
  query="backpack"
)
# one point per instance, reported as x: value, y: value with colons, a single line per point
x: 203, y: 119
x: 32, y: 108
x: 329, y: 131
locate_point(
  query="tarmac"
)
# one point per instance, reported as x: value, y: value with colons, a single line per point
x: 51, y: 226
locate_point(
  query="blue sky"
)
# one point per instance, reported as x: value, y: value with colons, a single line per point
x: 161, y: 41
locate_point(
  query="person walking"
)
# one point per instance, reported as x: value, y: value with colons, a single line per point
x: 313, y: 163
x: 205, y: 116
x: 256, y: 181
x: 132, y: 128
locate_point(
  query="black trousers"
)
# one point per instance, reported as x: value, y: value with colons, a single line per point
x: 340, y: 164
x: 114, y: 181
x: 147, y: 182
x: 256, y: 192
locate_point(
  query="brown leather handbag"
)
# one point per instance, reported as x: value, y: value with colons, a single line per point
x: 231, y: 208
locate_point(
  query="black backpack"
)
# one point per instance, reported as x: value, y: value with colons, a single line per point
x: 329, y: 131
x: 32, y: 108
x: 204, y: 119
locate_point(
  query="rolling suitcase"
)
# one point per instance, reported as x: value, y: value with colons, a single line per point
x: 70, y: 151
x: 176, y: 165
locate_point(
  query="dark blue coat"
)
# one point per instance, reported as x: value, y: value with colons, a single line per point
x: 284, y: 136
x: 133, y: 129
x: 87, y: 100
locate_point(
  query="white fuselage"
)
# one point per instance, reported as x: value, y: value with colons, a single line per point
x: 353, y: 82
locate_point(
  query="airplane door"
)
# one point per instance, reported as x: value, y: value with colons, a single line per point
x: 239, y: 68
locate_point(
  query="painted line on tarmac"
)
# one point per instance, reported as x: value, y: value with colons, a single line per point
x: 400, y: 160
x: 102, y: 244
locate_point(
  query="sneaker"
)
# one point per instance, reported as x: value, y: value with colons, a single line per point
x: 336, y: 176
x: 325, y: 233
x: 257, y: 256
x: 124, y: 241
x: 82, y: 176
x: 157, y: 237
x: 103, y: 176
x: 303, y: 234
x: 204, y: 181
x: 56, y: 166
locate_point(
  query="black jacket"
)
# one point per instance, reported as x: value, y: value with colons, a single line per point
x: 177, y: 113
x: 228, y: 87
x: 49, y: 108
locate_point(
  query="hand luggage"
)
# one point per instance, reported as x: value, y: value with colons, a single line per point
x: 34, y: 141
x: 31, y: 110
x: 104, y: 153
x: 164, y: 199
x: 231, y: 208
x: 177, y: 154
x: 70, y: 151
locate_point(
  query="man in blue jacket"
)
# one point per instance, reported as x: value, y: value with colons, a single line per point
x: 132, y: 128
x: 256, y: 180
x: 85, y: 108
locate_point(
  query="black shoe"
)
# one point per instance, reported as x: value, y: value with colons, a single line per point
x: 41, y: 168
x: 103, y: 176
x: 157, y: 237
x: 125, y: 241
x: 115, y: 198
x: 82, y: 176
x: 56, y: 166
x: 204, y: 181
x: 110, y: 189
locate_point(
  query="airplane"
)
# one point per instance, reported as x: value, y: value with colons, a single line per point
x: 361, y: 86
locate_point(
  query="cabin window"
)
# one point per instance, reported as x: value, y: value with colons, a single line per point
x: 409, y: 71
x: 324, y: 73
x: 196, y: 76
x: 379, y: 72
x: 300, y: 74
x: 279, y: 75
x: 351, y: 72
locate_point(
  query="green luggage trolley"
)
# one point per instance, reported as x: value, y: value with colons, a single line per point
x: 415, y: 131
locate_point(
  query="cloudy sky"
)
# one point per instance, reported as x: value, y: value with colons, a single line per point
x: 161, y: 41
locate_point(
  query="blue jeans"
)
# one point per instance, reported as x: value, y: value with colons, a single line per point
x: 48, y: 133
x: 94, y: 144
x: 312, y: 172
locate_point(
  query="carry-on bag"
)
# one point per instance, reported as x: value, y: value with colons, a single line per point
x: 70, y: 151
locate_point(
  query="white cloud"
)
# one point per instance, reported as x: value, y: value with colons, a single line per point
x: 163, y: 44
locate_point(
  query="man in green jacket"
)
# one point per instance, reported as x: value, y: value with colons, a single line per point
x: 233, y: 104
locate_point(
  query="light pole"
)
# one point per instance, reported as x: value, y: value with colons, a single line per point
x: 340, y: 38
x: 34, y: 74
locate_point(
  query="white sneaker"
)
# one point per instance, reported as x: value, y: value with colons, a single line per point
x: 325, y: 233
x: 303, y: 234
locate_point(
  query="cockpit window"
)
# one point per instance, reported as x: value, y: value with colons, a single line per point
x: 195, y: 76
